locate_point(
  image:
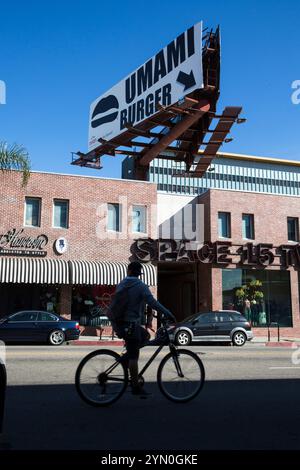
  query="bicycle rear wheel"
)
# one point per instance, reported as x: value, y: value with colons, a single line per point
x: 100, y: 378
x: 181, y: 376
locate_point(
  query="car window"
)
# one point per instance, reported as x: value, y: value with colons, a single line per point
x: 45, y: 316
x: 223, y: 317
x: 207, y: 318
x: 237, y: 317
x: 24, y: 316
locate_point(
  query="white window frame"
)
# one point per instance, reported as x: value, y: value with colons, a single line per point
x: 142, y: 206
x: 297, y: 229
x: 253, y: 225
x: 53, y: 214
x: 228, y: 225
x: 120, y: 217
x: 40, y: 211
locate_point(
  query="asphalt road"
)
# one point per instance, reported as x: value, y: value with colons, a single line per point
x: 251, y: 400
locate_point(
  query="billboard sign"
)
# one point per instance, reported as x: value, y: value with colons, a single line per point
x: 166, y: 78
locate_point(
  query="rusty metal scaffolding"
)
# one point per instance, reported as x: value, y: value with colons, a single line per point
x: 176, y: 132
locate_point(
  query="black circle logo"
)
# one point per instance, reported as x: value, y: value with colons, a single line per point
x: 110, y: 103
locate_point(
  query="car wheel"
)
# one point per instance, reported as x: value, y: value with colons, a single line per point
x: 239, y: 338
x: 183, y: 338
x: 56, y: 338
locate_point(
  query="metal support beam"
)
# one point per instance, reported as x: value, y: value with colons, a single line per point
x: 176, y: 131
x: 223, y: 127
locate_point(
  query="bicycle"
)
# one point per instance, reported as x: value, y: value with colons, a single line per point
x: 102, y: 376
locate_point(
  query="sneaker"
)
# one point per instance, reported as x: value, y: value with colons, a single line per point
x: 140, y: 391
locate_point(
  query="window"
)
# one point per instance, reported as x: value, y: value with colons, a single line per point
x: 237, y: 317
x: 114, y: 217
x: 269, y: 303
x: 60, y: 213
x: 44, y: 316
x: 24, y: 316
x: 139, y: 223
x: 32, y: 212
x: 248, y: 226
x: 207, y: 318
x: 293, y: 229
x: 224, y: 224
x: 223, y: 317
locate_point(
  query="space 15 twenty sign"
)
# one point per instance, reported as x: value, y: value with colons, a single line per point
x: 167, y: 77
x: 218, y: 253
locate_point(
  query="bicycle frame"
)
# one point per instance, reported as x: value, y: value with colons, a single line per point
x: 172, y: 348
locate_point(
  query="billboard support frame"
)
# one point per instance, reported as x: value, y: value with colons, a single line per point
x: 185, y: 122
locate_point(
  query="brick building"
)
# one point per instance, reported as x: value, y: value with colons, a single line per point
x: 266, y: 229
x: 250, y: 211
x: 248, y: 249
x: 65, y: 240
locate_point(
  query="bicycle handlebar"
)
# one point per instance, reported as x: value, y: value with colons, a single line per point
x: 164, y: 319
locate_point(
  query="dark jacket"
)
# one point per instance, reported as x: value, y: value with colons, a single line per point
x: 138, y: 296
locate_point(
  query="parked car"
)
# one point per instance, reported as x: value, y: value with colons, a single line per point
x: 38, y: 326
x: 220, y: 326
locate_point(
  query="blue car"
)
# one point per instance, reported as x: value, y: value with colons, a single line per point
x: 37, y: 326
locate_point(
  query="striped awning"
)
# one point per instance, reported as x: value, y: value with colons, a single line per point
x: 106, y: 273
x: 34, y: 271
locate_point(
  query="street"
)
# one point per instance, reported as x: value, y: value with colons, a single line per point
x: 250, y: 401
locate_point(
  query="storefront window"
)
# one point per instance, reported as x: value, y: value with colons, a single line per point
x: 90, y: 302
x: 263, y: 297
x: 18, y: 297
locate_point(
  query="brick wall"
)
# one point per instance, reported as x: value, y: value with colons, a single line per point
x: 270, y: 224
x: 270, y: 214
x: 86, y: 196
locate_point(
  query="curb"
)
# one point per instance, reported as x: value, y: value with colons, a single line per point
x: 97, y: 343
x: 287, y: 344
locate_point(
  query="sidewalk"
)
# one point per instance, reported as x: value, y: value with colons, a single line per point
x: 96, y: 341
x: 284, y: 342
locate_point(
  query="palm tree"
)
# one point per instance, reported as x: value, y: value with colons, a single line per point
x: 15, y: 157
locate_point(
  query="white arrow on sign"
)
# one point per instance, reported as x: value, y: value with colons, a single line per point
x: 166, y: 78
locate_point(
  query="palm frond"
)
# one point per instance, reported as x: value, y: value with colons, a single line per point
x: 15, y: 157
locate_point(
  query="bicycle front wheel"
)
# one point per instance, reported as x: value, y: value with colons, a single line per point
x: 101, y: 379
x: 181, y: 376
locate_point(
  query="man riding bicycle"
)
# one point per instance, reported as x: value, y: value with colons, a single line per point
x: 134, y: 334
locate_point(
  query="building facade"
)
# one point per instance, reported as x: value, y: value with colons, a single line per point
x: 247, y: 254
x: 65, y: 241
x: 257, y: 257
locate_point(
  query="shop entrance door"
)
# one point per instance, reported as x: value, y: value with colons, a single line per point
x: 177, y: 288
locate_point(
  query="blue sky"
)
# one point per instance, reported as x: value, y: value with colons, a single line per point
x: 56, y: 57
